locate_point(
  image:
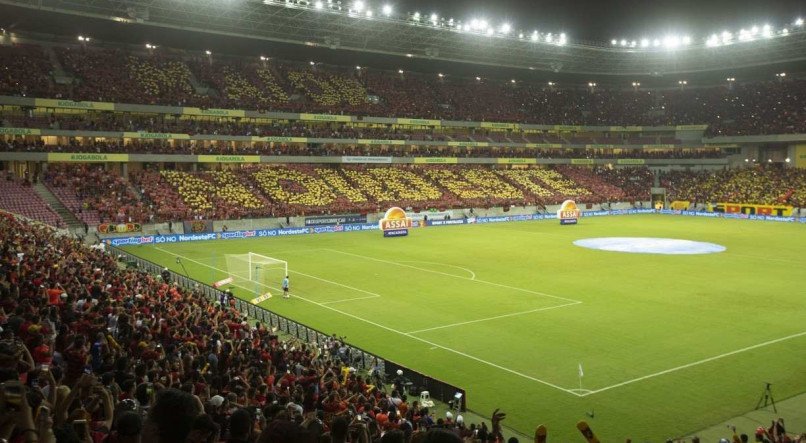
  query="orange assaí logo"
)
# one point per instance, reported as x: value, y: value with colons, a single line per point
x: 395, y: 218
x: 568, y: 212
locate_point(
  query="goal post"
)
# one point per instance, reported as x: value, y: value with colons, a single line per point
x: 262, y: 271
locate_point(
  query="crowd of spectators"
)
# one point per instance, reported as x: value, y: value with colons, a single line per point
x: 186, y: 147
x: 291, y: 190
x: 770, y: 185
x: 96, y: 195
x: 93, y: 351
x: 168, y: 78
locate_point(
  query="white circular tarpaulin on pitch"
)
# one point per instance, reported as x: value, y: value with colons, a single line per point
x: 650, y: 245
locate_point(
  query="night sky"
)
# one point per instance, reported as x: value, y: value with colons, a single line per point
x: 603, y: 20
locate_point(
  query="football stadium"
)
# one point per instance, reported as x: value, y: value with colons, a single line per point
x: 408, y: 221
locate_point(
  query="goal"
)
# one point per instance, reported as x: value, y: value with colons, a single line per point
x: 262, y: 271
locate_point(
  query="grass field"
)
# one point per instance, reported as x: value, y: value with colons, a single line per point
x: 669, y: 344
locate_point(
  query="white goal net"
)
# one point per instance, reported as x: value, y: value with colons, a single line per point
x: 263, y: 273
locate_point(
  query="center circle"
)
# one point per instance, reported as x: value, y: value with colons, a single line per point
x: 650, y: 245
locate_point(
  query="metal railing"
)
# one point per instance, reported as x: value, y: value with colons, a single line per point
x: 354, y: 356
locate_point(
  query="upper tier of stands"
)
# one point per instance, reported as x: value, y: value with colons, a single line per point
x: 162, y: 77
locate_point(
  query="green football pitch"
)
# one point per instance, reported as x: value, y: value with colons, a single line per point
x: 669, y: 344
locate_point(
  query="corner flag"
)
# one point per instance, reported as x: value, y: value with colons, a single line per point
x: 580, y: 371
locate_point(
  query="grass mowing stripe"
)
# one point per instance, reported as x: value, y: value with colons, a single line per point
x: 472, y: 357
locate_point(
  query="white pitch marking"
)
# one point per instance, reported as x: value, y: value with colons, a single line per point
x: 371, y: 294
x: 454, y: 275
x: 699, y: 362
x: 520, y: 374
x: 493, y: 318
x: 473, y: 274
x: 413, y: 337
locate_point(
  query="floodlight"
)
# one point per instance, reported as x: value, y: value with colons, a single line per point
x: 483, y: 24
x: 656, y: 43
x: 440, y: 75
x: 633, y: 44
x: 551, y: 83
x: 785, y: 31
x: 671, y: 41
x: 731, y: 79
x: 644, y: 42
x: 312, y: 62
x: 478, y: 78
x: 535, y: 36
x: 505, y: 28
x: 399, y: 71
x: 387, y: 10
x: 263, y: 58
x: 591, y: 84
x: 766, y: 31
x: 150, y: 46
x: 358, y: 67
x: 614, y: 42
x: 319, y: 5
x: 799, y: 22
x: 512, y: 81
x: 409, y: 55
x: 520, y: 35
x: 490, y: 31
x: 358, y: 6
x: 686, y: 40
x: 562, y: 39
x: 369, y: 13
x: 726, y: 37
x: 466, y: 27
x: 208, y: 52
x: 434, y: 18
x: 416, y: 16
x: 787, y: 160
x: 754, y: 30
x: 623, y: 42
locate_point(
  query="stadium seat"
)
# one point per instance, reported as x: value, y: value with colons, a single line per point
x: 425, y: 399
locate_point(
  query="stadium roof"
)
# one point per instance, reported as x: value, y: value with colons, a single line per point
x: 315, y: 24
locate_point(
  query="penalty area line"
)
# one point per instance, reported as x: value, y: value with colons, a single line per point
x: 387, y: 328
x: 514, y: 314
x: 350, y: 299
x: 697, y: 363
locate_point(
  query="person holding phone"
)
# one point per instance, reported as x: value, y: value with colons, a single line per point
x: 16, y: 417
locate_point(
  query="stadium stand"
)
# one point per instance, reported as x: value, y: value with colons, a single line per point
x: 122, y: 345
x: 19, y: 197
x: 118, y: 75
x: 132, y: 355
x: 95, y: 195
x: 761, y: 185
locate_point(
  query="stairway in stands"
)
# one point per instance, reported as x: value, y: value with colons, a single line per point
x: 58, y: 207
